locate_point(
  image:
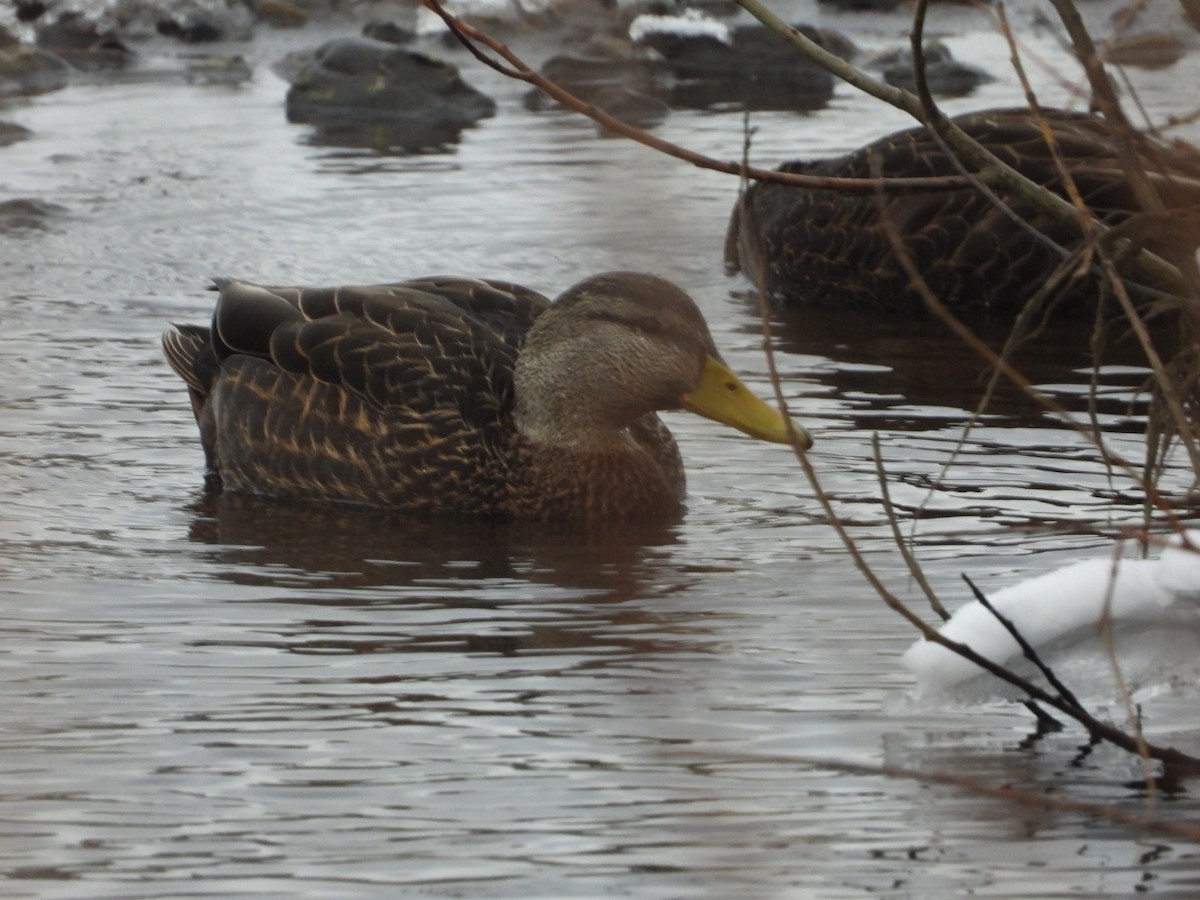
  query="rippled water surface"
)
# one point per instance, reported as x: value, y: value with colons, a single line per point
x: 218, y: 697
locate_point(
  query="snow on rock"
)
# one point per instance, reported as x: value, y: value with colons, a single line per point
x: 691, y: 23
x: 1052, y: 606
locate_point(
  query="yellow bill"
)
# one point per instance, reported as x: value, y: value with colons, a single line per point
x: 722, y: 397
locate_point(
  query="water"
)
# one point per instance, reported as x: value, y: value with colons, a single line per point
x: 220, y: 697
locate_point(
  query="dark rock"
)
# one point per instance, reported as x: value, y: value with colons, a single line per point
x: 281, y: 14
x: 832, y: 40
x: 216, y: 69
x: 587, y: 76
x: 11, y: 133
x: 862, y: 5
x: 630, y: 106
x: 29, y: 70
x: 1191, y: 12
x: 753, y: 69
x: 388, y: 32
x: 30, y: 10
x: 84, y: 44
x: 293, y: 63
x: 935, y: 52
x: 27, y: 212
x: 189, y: 30
x: 352, y: 83
x: 195, y: 24
x: 946, y: 79
x: 1148, y: 50
x: 946, y: 76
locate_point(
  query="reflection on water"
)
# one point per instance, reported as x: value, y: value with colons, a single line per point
x: 899, y: 375
x: 492, y: 580
x: 386, y: 137
x: 214, y: 694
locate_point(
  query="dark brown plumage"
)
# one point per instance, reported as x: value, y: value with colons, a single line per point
x: 818, y: 246
x: 459, y: 395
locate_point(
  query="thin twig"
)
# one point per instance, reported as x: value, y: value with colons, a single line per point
x: 914, y: 566
x: 1026, y: 648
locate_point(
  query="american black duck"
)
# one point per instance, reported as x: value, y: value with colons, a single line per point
x: 818, y: 246
x: 460, y: 395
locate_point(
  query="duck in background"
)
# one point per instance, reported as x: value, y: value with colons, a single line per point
x: 803, y: 246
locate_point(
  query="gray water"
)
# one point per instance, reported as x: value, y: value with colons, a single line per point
x: 224, y: 697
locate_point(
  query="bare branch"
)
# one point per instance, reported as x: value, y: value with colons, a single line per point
x: 514, y: 67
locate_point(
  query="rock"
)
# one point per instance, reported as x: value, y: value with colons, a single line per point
x: 1191, y: 12
x: 11, y: 133
x: 750, y: 67
x: 203, y: 68
x: 630, y: 106
x: 27, y: 212
x: 861, y: 5
x: 196, y: 23
x: 293, y: 63
x: 83, y: 43
x: 355, y: 82
x: 388, y: 32
x: 891, y: 57
x: 832, y: 40
x: 30, y: 10
x: 281, y: 14
x: 946, y: 76
x: 587, y: 76
x: 1148, y: 50
x: 28, y: 70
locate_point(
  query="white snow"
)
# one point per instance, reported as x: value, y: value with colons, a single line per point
x: 691, y: 24
x: 1050, y: 607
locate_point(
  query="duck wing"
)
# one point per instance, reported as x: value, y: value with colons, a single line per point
x: 396, y: 394
x: 417, y: 345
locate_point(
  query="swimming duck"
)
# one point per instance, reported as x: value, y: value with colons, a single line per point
x: 825, y: 247
x: 460, y: 395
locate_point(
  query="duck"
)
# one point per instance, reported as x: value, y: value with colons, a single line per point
x: 822, y: 247
x: 461, y: 395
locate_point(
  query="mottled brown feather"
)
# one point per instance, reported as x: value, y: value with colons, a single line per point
x: 832, y: 248
x: 402, y: 395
